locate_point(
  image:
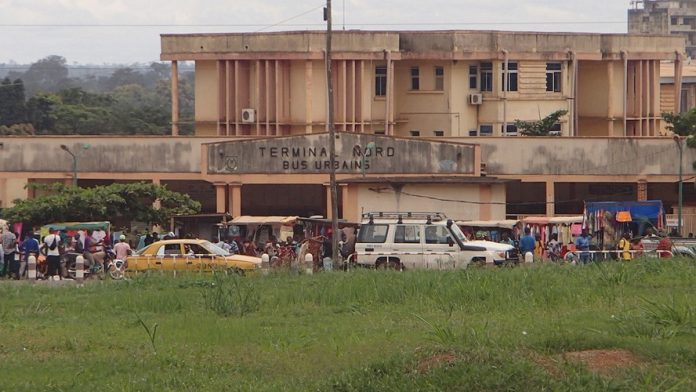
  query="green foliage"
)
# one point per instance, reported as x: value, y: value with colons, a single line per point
x: 510, y: 330
x: 131, y: 202
x: 542, y: 127
x: 231, y: 295
x: 682, y: 124
x: 128, y: 101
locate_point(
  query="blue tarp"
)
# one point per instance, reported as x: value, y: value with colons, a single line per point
x: 650, y: 209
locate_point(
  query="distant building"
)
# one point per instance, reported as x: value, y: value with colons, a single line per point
x: 675, y: 17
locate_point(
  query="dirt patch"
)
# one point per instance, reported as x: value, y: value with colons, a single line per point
x: 549, y: 364
x: 603, y: 361
x: 434, y: 361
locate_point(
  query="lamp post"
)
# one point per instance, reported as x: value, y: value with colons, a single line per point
x: 680, y: 146
x: 74, y: 157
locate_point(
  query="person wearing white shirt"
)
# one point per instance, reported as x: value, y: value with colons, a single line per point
x: 52, y: 243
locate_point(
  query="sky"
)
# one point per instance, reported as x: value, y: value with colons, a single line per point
x: 127, y: 31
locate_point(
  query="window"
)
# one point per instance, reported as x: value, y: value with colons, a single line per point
x: 436, y: 235
x: 439, y: 133
x: 407, y: 234
x: 415, y: 133
x: 380, y: 81
x: 473, y: 132
x: 486, y: 76
x: 511, y: 130
x: 439, y: 78
x: 171, y: 250
x: 486, y: 130
x: 375, y: 234
x: 473, y: 77
x: 553, y: 77
x: 511, y: 83
x: 380, y: 132
x: 415, y: 78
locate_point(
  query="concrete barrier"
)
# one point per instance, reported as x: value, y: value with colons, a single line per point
x: 31, y: 268
x: 80, y: 269
x: 309, y: 264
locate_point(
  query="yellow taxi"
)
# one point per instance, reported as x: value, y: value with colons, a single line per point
x: 190, y: 255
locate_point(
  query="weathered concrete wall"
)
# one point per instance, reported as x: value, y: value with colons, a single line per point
x: 288, y: 41
x: 105, y: 154
x: 309, y: 154
x: 503, y: 156
x: 461, y: 207
x: 583, y: 156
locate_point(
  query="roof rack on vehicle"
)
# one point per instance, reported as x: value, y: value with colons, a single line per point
x: 430, y: 216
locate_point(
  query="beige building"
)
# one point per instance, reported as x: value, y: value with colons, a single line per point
x: 426, y: 84
x: 426, y: 122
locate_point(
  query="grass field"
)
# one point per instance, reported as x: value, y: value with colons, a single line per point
x: 603, y: 327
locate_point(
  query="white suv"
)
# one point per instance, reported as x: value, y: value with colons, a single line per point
x: 420, y: 240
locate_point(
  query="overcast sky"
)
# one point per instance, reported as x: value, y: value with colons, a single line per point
x: 127, y: 31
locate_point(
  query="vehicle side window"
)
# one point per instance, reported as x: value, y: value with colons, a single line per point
x: 407, y: 234
x: 375, y: 234
x: 436, y: 235
x: 198, y: 250
x: 172, y: 249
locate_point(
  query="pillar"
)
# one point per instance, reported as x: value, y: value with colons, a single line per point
x: 485, y: 198
x: 642, y: 190
x: 235, y: 199
x: 329, y: 206
x: 175, y: 98
x: 610, y: 100
x: 550, y: 198
x: 220, y: 202
x: 308, y: 96
x: 678, y: 68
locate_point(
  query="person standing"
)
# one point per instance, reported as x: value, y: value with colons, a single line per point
x: 30, y: 247
x: 9, y: 247
x: 52, y: 243
x: 625, y: 247
x: 527, y: 244
x: 582, y: 243
x: 122, y: 248
x: 553, y: 247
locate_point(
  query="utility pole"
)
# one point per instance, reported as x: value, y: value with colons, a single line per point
x: 680, y: 202
x: 332, y: 138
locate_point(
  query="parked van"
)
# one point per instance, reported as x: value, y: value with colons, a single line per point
x: 420, y: 240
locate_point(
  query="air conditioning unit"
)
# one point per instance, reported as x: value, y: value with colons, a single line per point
x: 475, y: 99
x: 248, y: 116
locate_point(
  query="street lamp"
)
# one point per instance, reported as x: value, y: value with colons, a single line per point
x: 74, y: 157
x: 680, y: 145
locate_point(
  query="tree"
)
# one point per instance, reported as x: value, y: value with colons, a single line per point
x: 47, y: 75
x: 129, y: 202
x: 683, y: 124
x: 13, y: 108
x: 543, y: 127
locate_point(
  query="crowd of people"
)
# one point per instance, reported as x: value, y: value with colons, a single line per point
x: 583, y: 250
x: 51, y: 263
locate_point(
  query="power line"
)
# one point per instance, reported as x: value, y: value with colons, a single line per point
x: 290, y: 18
x: 150, y: 25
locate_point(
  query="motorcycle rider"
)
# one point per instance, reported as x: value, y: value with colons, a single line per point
x: 30, y: 247
x: 122, y: 248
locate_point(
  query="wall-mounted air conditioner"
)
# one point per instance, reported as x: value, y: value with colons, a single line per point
x: 248, y: 116
x: 475, y: 99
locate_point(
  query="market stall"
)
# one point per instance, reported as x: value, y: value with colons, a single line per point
x: 609, y: 220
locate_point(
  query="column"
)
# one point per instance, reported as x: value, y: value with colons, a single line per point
x: 175, y: 98
x: 329, y: 206
x: 308, y: 96
x: 485, y: 198
x: 678, y: 68
x: 550, y: 198
x: 642, y: 190
x: 610, y: 100
x: 220, y: 201
x: 235, y: 199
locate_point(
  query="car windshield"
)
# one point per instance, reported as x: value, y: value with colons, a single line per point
x: 214, y: 249
x: 457, y: 232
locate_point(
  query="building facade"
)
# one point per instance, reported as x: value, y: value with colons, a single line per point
x: 665, y: 17
x: 425, y: 121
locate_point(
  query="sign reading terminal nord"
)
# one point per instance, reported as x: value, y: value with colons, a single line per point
x: 355, y: 153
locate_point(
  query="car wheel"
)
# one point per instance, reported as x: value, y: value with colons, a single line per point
x: 235, y: 271
x: 388, y: 265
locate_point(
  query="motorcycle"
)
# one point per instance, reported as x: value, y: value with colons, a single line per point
x: 113, y: 266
